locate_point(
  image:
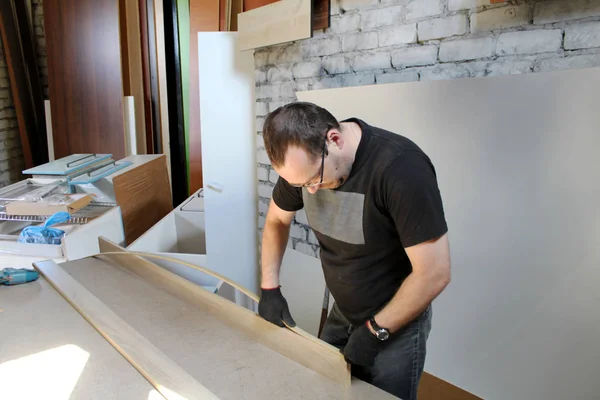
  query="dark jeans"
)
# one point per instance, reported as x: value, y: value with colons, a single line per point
x: 399, y: 365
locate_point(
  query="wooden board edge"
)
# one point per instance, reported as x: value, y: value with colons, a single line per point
x: 123, y: 252
x: 432, y: 388
x: 317, y: 356
x: 166, y: 376
x: 269, y: 12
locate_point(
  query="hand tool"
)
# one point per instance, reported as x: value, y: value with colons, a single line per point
x: 14, y: 276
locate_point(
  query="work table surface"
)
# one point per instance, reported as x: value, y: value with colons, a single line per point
x: 36, y: 321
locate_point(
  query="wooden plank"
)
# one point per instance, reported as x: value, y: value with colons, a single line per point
x: 237, y: 7
x: 148, y: 115
x: 321, y: 14
x: 434, y: 388
x: 86, y: 95
x: 154, y: 86
x: 144, y: 196
x: 279, y: 22
x: 168, y: 378
x: 235, y: 285
x: 314, y: 354
x: 26, y: 89
x: 163, y: 99
x: 50, y: 139
x: 135, y: 71
x: 204, y: 17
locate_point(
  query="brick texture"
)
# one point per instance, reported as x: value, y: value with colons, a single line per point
x: 582, y: 36
x: 529, y: 42
x: 392, y: 41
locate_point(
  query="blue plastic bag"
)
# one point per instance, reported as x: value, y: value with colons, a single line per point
x: 45, y: 234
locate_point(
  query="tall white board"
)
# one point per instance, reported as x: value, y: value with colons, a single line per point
x: 227, y: 115
x: 518, y: 166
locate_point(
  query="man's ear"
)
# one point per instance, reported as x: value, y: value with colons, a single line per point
x: 334, y: 136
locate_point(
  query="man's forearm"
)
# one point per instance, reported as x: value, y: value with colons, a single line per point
x: 417, y: 291
x: 274, y: 242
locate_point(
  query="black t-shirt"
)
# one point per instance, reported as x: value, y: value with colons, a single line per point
x: 390, y: 201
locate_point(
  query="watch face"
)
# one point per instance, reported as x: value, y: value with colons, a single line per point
x: 382, y: 334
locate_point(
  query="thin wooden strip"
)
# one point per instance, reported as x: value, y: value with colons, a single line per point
x: 279, y: 22
x: 236, y: 8
x: 136, y: 77
x: 163, y: 100
x: 253, y: 296
x: 168, y: 378
x: 144, y: 37
x: 313, y: 354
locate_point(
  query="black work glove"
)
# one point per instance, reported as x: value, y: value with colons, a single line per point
x: 274, y: 308
x: 362, y: 347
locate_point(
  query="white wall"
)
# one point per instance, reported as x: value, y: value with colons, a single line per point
x: 517, y: 160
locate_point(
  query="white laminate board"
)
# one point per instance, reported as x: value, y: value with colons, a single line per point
x: 226, y: 82
x: 226, y: 361
x: 517, y: 163
x: 48, y: 351
x: 303, y: 285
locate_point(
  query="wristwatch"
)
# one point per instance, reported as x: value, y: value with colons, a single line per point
x: 381, y: 333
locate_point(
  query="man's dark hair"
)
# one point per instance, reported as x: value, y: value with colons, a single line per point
x: 299, y: 124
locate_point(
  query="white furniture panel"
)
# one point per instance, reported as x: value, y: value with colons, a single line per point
x: 517, y: 161
x: 226, y: 82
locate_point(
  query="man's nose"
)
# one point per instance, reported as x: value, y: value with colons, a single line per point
x: 312, y: 190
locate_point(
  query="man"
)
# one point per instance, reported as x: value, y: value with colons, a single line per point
x: 372, y: 199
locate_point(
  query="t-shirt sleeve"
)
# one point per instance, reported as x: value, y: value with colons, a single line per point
x: 412, y: 198
x: 287, y: 197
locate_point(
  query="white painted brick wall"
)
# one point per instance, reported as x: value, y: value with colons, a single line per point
x: 529, y: 42
x: 582, y: 36
x: 414, y: 56
x: 262, y: 174
x: 380, y: 17
x: 395, y: 77
x: 370, y: 61
x: 423, y: 8
x: 336, y: 64
x: 307, y: 69
x: 399, y: 34
x: 359, y: 41
x: 358, y: 79
x: 550, y: 11
x: 466, y: 49
x: 387, y: 41
x: 500, y: 18
x: 443, y: 27
x: 454, y: 5
x: 279, y: 74
x: 349, y: 22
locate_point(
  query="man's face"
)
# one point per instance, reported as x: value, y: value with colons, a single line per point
x: 301, y: 170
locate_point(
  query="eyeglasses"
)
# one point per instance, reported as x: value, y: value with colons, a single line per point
x: 310, y: 185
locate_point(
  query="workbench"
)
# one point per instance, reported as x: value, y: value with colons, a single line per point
x: 37, y: 321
